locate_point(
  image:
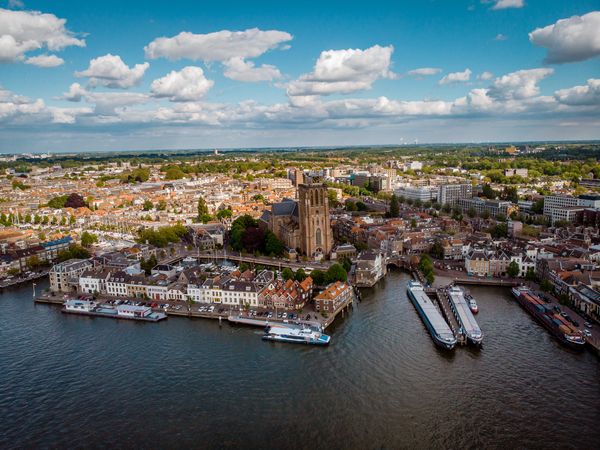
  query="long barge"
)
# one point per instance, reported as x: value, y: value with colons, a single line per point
x: 432, y: 318
x: 549, y: 317
x: 127, y: 312
x: 464, y: 316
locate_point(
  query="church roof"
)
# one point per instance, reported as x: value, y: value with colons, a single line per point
x: 285, y: 208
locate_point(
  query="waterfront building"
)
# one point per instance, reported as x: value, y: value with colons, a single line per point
x: 91, y: 281
x: 286, y: 294
x: 451, y: 193
x: 370, y: 268
x: 333, y: 297
x: 62, y: 275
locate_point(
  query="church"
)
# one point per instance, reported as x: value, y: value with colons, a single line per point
x: 303, y: 225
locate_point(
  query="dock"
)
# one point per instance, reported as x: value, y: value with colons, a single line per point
x: 444, y: 303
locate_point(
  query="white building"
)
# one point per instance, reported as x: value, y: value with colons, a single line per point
x: 63, y: 274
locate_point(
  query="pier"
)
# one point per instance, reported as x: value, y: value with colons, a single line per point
x: 443, y: 301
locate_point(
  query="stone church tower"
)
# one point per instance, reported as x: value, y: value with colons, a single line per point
x: 315, y: 227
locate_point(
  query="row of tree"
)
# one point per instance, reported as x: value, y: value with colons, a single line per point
x: 246, y: 235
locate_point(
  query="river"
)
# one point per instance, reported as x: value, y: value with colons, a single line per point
x: 78, y: 382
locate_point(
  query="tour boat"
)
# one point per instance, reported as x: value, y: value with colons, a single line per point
x: 303, y: 335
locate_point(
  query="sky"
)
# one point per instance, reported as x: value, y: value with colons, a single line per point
x: 113, y: 75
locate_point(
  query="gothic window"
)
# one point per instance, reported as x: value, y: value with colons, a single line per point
x: 318, y: 237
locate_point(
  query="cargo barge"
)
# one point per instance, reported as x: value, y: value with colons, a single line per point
x: 464, y: 316
x: 127, y: 312
x: 549, y: 317
x: 432, y: 318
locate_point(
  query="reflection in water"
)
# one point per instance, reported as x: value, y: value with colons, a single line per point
x: 68, y: 381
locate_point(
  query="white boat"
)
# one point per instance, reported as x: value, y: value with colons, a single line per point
x: 303, y: 335
x: 472, y: 304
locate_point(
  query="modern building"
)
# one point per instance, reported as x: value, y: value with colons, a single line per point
x: 452, y: 193
x: 423, y: 194
x: 333, y: 297
x: 564, y: 207
x: 493, y: 207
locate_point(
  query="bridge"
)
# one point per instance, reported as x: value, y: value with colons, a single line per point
x: 487, y: 282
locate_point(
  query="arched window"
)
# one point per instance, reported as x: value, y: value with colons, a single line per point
x: 318, y: 237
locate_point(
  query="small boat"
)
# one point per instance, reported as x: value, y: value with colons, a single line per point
x: 472, y: 304
x: 303, y: 335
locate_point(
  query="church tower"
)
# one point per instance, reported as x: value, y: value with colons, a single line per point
x: 315, y: 227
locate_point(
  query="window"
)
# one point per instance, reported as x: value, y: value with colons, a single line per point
x: 318, y: 237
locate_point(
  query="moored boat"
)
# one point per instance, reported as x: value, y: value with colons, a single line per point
x: 432, y: 318
x: 464, y: 316
x: 472, y: 303
x: 550, y: 318
x: 130, y: 312
x: 295, y: 335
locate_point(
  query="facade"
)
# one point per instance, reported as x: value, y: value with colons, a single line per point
x: 451, y: 193
x: 493, y: 207
x: 516, y: 172
x: 370, y: 268
x: 316, y: 237
x: 62, y: 274
x: 333, y: 297
x: 424, y: 194
x: 564, y: 207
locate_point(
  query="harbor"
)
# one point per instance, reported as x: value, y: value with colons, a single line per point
x: 206, y: 370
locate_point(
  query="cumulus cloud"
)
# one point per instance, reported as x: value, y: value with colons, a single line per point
x: 24, y: 31
x: 504, y: 4
x: 344, y: 71
x: 423, y: 72
x: 574, y: 39
x: 518, y: 85
x: 189, y: 84
x: 218, y: 46
x: 456, y: 77
x: 110, y: 71
x: 484, y: 76
x: 580, y: 95
x: 241, y: 70
x: 12, y: 105
x: 75, y: 94
x: 45, y: 61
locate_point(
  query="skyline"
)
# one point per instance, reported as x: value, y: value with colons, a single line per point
x: 242, y: 75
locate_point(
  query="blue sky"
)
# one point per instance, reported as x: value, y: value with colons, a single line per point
x: 273, y: 86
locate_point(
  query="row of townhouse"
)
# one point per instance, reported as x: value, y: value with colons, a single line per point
x: 19, y: 259
x: 243, y: 290
x: 494, y: 263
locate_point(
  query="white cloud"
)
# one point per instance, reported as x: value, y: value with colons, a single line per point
x: 110, y: 70
x: 45, y: 61
x: 16, y: 4
x: 219, y: 46
x: 574, y: 39
x: 24, y: 31
x: 484, y: 76
x: 111, y: 103
x: 344, y: 71
x: 504, y: 4
x: 456, y: 77
x: 423, y: 72
x: 500, y: 37
x: 12, y: 105
x: 189, y: 84
x: 75, y: 94
x: 241, y: 70
x: 518, y: 85
x: 580, y: 95
x: 67, y: 115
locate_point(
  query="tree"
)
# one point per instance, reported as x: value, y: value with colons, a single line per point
x: 205, y: 218
x: 437, y: 250
x: 253, y: 239
x: 75, y: 200
x: 488, y: 192
x: 350, y: 206
x: 346, y: 263
x: 33, y: 262
x: 332, y: 198
x: 148, y: 205
x: 471, y: 212
x: 300, y: 274
x: 336, y: 273
x: 162, y: 205
x: 58, y: 202
x: 546, y: 285
x: 74, y: 251
x: 273, y: 246
x: 530, y: 274
x: 147, y: 265
x: 394, y: 206
x: 87, y: 239
x: 513, y: 269
x: 287, y: 274
x: 202, y: 207
x: 174, y: 173
x: 224, y: 214
x: 500, y: 230
x: 318, y: 277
